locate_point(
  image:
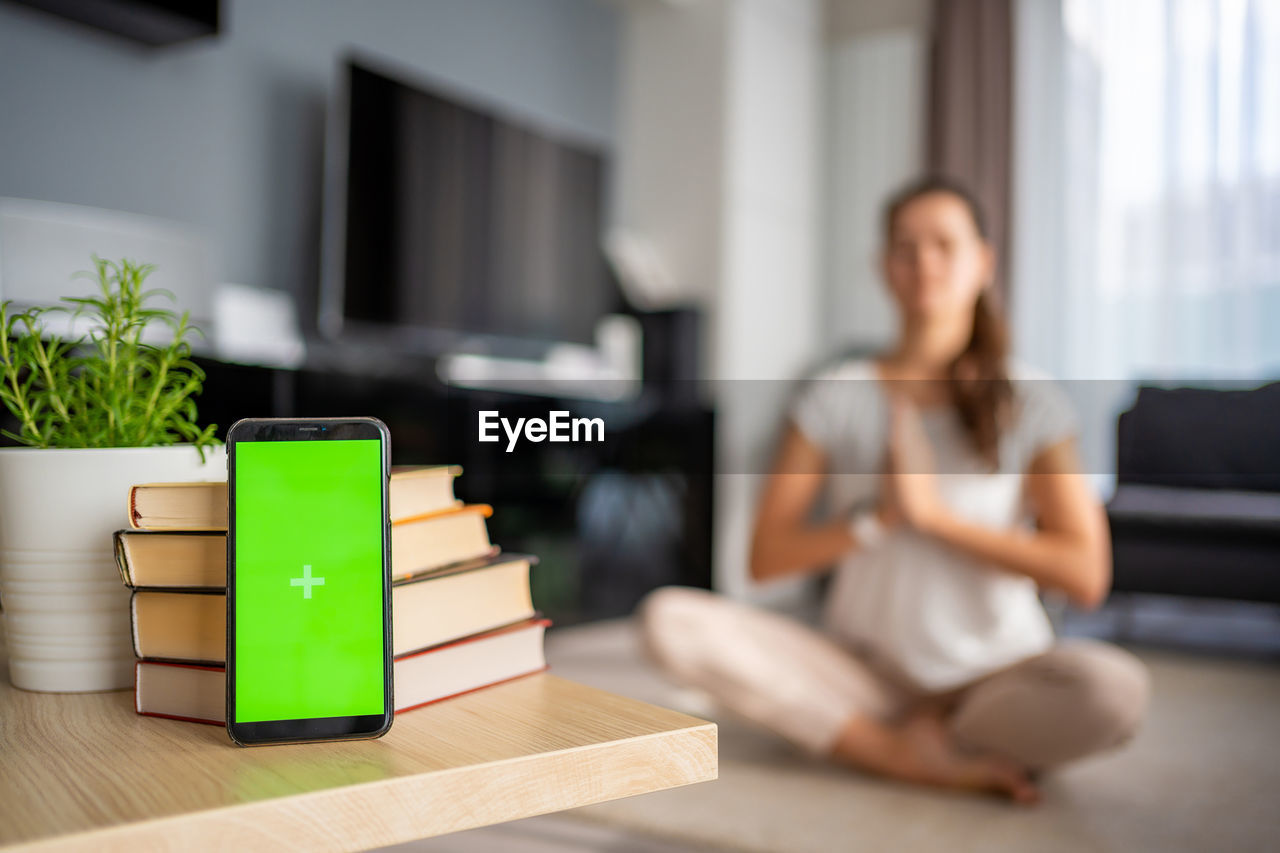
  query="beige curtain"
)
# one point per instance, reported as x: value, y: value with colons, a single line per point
x: 970, y: 108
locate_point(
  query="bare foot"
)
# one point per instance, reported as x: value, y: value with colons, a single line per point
x: 930, y: 756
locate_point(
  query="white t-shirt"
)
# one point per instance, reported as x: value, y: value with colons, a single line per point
x: 932, y: 613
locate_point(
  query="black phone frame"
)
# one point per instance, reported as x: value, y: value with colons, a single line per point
x: 317, y: 729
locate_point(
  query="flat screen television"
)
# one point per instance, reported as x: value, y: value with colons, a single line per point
x: 449, y: 224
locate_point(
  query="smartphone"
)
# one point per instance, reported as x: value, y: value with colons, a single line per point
x: 308, y: 580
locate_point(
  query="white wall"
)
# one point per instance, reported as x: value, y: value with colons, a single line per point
x: 770, y: 192
x: 719, y: 146
x: 877, y: 88
x: 767, y: 307
x: 670, y: 139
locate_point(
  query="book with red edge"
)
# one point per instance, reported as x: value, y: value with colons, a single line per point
x: 197, y: 693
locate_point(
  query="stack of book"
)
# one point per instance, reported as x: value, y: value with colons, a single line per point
x: 462, y: 612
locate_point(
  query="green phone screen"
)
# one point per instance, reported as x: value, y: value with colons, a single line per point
x: 309, y: 579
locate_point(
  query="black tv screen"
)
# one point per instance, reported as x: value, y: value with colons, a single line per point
x: 460, y: 221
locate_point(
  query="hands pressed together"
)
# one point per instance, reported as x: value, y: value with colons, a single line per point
x: 909, y: 486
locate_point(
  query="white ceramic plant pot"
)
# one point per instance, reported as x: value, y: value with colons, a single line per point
x: 66, y: 613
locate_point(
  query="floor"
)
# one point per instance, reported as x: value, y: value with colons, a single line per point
x: 1202, y: 774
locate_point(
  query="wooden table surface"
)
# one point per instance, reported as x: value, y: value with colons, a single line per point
x: 83, y: 771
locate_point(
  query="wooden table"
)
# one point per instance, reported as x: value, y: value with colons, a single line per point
x: 83, y: 771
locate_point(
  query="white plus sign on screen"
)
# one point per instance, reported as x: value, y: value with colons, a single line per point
x: 306, y: 582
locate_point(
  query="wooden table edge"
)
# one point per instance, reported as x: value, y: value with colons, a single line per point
x: 315, y: 820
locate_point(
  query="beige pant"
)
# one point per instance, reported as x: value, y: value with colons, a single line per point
x: 1080, y: 697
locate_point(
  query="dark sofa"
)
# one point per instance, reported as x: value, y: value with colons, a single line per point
x: 1196, y: 510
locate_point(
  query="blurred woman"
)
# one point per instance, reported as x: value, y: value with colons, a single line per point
x: 957, y: 496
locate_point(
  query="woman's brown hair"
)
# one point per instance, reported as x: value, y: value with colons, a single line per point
x: 978, y: 377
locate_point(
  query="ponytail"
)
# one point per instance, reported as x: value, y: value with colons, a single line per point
x: 979, y: 381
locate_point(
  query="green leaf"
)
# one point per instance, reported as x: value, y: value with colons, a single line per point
x: 106, y: 387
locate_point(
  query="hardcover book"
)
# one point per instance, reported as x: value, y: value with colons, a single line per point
x: 198, y: 693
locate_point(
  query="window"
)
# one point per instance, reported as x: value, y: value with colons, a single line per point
x: 1147, y: 200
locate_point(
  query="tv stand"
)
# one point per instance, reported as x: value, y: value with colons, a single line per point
x: 609, y: 521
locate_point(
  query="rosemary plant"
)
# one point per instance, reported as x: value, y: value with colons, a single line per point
x: 105, y: 388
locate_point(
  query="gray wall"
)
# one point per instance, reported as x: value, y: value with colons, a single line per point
x: 227, y: 133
